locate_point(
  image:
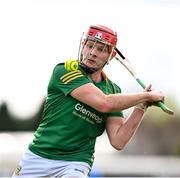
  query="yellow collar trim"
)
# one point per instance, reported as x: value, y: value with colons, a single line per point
x: 104, y: 75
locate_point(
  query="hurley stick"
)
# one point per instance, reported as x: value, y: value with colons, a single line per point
x: 124, y: 61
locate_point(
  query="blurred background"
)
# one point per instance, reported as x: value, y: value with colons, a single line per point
x: 35, y: 35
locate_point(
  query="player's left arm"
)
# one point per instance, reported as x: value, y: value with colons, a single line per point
x: 121, y: 130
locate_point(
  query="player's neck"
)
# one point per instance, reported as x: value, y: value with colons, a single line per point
x: 96, y: 76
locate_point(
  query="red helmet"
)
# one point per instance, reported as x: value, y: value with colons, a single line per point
x: 102, y: 34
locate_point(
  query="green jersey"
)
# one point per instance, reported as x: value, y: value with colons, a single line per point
x: 69, y: 128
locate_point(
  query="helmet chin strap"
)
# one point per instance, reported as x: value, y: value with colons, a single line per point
x: 89, y: 70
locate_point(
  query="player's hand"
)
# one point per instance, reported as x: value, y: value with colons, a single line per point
x: 155, y: 96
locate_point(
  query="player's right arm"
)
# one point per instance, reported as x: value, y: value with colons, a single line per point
x: 94, y: 97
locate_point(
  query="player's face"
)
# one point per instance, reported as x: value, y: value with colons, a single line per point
x: 95, y: 54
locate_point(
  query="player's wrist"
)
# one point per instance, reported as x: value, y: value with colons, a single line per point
x: 147, y: 95
x: 142, y: 107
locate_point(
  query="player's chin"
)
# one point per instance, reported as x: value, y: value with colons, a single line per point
x: 90, y: 64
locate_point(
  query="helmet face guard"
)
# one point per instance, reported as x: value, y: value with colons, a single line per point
x: 101, y: 34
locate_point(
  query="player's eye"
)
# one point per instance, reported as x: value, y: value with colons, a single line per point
x: 102, y: 49
x: 89, y: 46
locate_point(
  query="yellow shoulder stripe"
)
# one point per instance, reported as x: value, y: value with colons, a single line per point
x: 66, y: 78
x: 70, y: 73
x: 66, y: 82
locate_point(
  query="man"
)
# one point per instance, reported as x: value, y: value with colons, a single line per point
x: 80, y: 105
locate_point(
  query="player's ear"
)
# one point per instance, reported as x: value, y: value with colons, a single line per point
x: 113, y: 54
x: 112, y: 51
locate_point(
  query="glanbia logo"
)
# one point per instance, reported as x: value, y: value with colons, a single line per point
x: 79, y: 107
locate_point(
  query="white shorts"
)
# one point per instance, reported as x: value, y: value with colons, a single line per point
x: 33, y: 165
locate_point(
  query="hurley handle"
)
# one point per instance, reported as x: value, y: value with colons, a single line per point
x: 159, y: 103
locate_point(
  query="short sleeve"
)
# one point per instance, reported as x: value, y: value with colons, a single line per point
x: 67, y: 81
x: 118, y: 114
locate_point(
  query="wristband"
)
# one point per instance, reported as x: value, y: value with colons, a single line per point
x: 141, y: 107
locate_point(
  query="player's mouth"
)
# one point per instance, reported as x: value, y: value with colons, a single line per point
x: 91, y: 61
